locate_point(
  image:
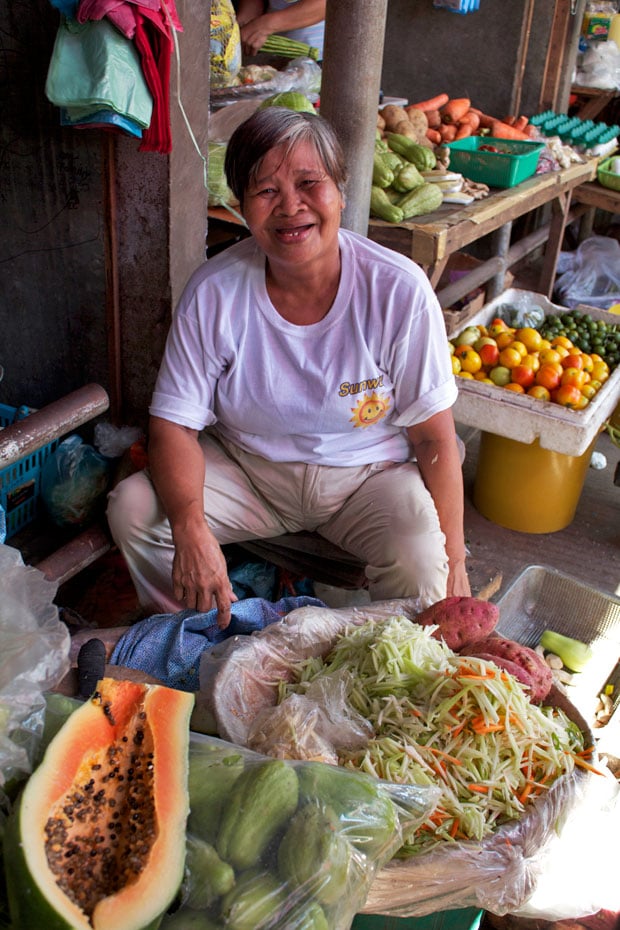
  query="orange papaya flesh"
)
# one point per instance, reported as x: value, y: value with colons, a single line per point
x: 97, y: 838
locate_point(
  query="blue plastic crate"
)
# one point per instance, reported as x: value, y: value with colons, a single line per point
x: 20, y: 483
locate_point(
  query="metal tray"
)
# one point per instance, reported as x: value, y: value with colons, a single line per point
x: 543, y: 598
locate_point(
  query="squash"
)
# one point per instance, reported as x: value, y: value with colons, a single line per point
x: 97, y: 838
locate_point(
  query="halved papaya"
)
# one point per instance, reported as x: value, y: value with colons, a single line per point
x: 97, y: 838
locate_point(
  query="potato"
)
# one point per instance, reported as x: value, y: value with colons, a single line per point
x: 404, y: 128
x: 393, y: 115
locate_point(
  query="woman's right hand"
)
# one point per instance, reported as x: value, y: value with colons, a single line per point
x: 177, y: 466
x: 200, y: 574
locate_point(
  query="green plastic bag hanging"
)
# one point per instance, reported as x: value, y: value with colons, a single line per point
x: 92, y: 64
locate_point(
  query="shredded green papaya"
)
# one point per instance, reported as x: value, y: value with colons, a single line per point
x: 440, y: 718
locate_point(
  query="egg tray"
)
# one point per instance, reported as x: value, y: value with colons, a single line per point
x: 572, y: 130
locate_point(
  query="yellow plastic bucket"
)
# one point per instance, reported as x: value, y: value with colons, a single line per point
x: 524, y: 487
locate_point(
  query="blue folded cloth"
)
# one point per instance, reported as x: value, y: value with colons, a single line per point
x: 169, y: 646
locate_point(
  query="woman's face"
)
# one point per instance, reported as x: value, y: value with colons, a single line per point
x: 293, y: 207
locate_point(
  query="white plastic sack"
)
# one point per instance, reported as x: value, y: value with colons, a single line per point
x: 591, y: 274
x: 34, y: 658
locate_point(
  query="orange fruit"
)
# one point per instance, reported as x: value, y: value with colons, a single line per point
x: 538, y: 391
x: 567, y: 395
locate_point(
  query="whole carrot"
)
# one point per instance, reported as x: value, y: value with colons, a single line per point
x: 433, y: 103
x: 454, y: 109
x: 501, y: 130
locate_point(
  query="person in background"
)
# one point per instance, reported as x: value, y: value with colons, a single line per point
x: 302, y: 20
x: 317, y: 360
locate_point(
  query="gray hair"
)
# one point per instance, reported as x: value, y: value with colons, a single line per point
x: 274, y: 126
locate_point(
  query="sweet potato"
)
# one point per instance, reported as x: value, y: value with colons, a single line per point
x: 513, y: 668
x: 534, y: 665
x: 461, y: 620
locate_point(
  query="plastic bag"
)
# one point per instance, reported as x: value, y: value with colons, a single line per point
x: 302, y: 75
x: 304, y: 863
x: 111, y: 441
x: 498, y: 874
x: 600, y: 66
x: 591, y: 274
x: 225, y: 59
x: 73, y: 482
x: 34, y: 657
x: 94, y: 65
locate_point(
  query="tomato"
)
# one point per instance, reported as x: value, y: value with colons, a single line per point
x: 540, y: 392
x: 572, y: 361
x: 532, y: 361
x: 500, y: 375
x: 548, y: 377
x: 574, y: 376
x: 588, y: 363
x: 503, y: 340
x: 513, y: 386
x: 456, y: 365
x: 567, y: 395
x: 468, y: 357
x: 509, y: 357
x: 523, y: 375
x: 600, y: 371
x: 489, y: 353
x: 520, y: 347
x: 465, y: 374
x: 562, y: 351
x: 589, y: 390
x: 530, y: 338
x: 582, y: 402
x: 548, y: 355
x: 562, y: 341
x: 496, y: 326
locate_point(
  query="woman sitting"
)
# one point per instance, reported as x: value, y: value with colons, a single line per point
x: 306, y: 385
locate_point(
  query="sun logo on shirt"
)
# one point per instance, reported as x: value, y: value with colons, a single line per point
x: 370, y: 409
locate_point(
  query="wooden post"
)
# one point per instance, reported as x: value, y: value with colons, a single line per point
x: 354, y: 36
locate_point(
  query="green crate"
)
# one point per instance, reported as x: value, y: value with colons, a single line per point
x: 465, y: 918
x: 515, y: 162
x: 606, y: 177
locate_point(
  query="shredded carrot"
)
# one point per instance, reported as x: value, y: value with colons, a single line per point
x: 582, y: 763
x: 446, y: 755
x: 482, y: 789
x: 454, y: 828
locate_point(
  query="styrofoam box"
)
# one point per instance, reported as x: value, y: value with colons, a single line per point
x: 517, y: 416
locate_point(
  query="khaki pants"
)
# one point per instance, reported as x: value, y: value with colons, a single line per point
x: 381, y: 513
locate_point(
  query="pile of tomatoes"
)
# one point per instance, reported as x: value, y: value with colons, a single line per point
x: 524, y: 361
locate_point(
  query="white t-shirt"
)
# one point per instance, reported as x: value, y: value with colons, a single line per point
x: 311, y: 35
x: 337, y: 392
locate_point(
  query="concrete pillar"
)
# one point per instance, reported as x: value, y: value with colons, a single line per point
x: 353, y: 57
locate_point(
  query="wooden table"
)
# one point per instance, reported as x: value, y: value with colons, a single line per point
x: 591, y: 101
x: 594, y: 196
x: 430, y: 239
